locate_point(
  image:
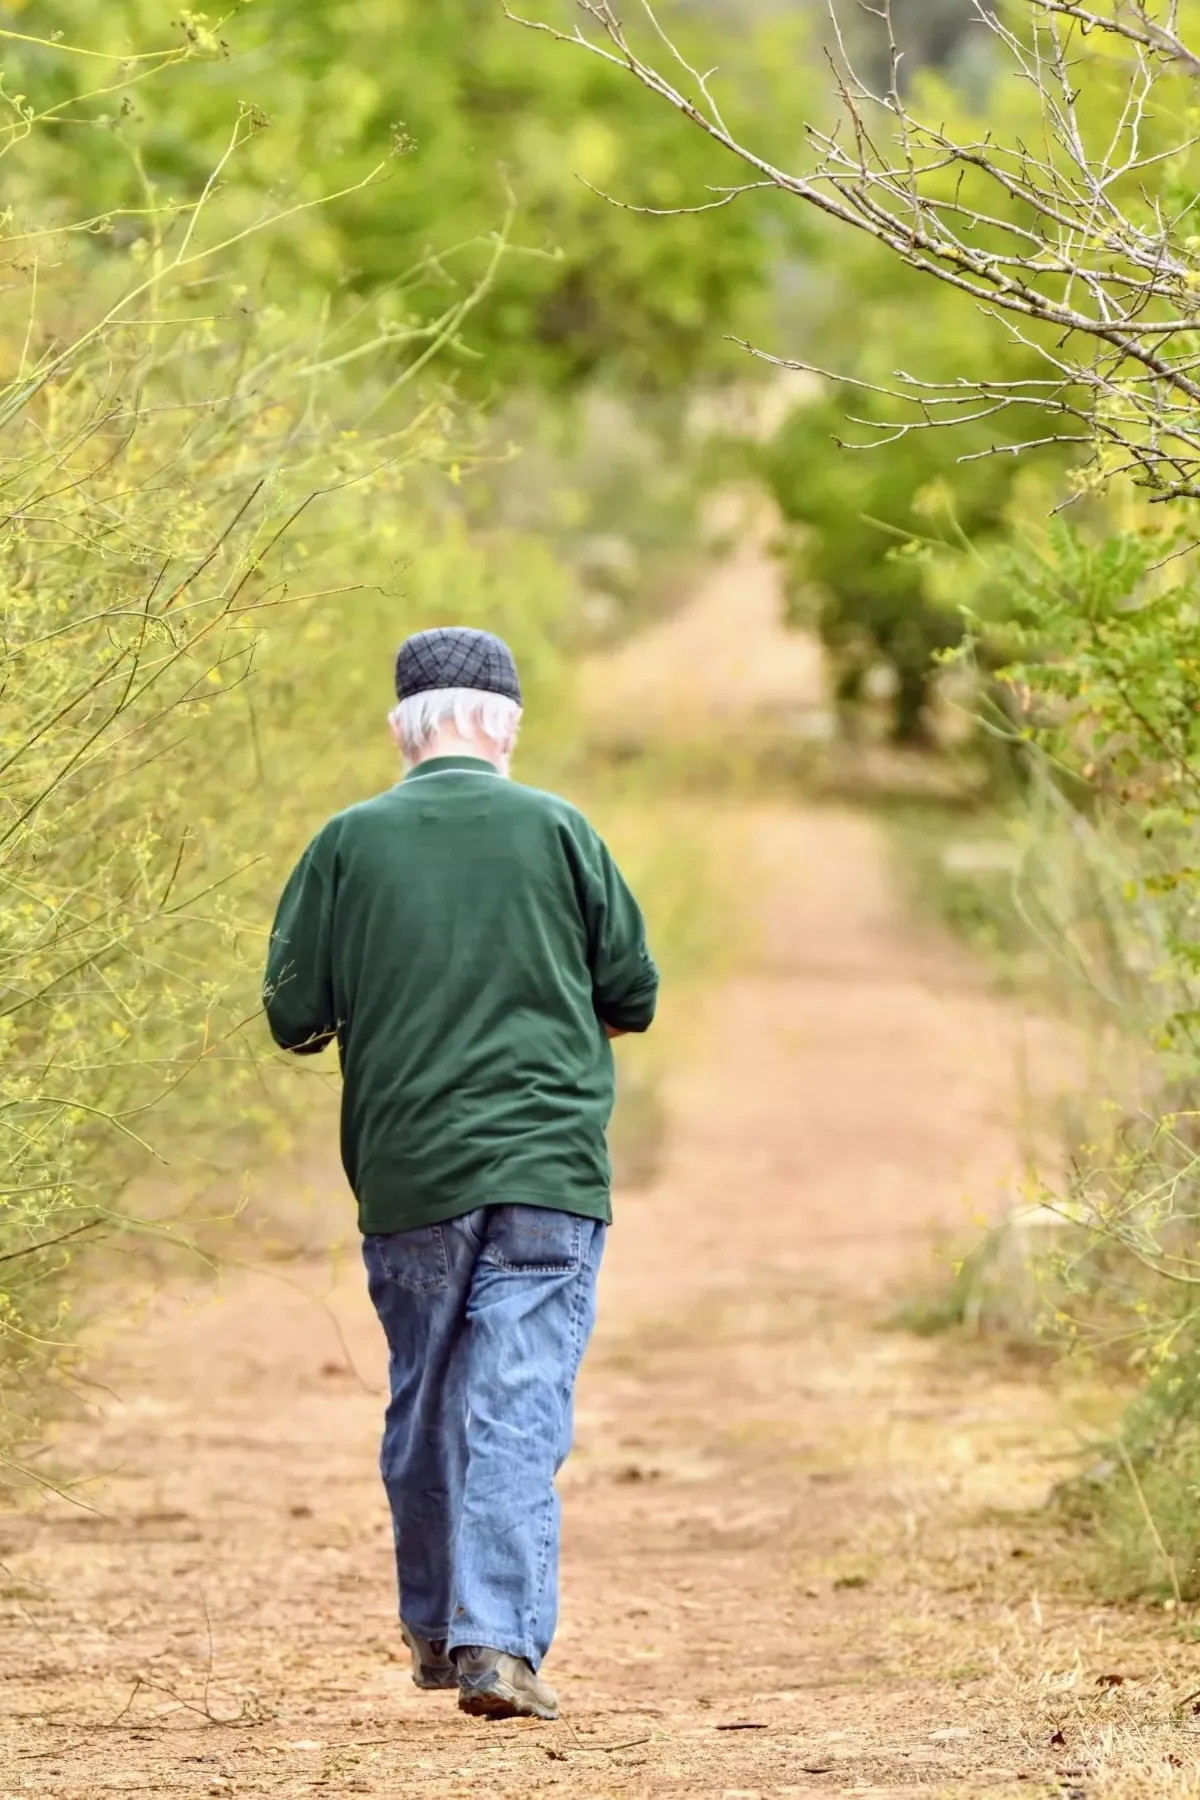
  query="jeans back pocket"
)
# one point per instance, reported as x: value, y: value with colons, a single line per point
x: 534, y: 1240
x: 414, y: 1259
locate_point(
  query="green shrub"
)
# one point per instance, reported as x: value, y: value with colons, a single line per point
x: 153, y: 492
x: 1097, y: 917
x: 1138, y: 1498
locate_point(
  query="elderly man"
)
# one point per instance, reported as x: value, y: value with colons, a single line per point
x: 472, y: 947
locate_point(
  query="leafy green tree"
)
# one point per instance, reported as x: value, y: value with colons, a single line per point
x: 468, y: 123
x: 880, y: 504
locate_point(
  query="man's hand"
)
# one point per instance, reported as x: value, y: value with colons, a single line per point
x: 613, y: 1031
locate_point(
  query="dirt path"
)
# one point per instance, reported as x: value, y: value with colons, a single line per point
x: 785, y: 1573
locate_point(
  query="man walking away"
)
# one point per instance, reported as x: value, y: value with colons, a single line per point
x: 472, y: 947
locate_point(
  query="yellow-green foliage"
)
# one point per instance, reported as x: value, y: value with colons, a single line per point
x: 201, y: 589
x: 208, y: 550
x: 155, y: 499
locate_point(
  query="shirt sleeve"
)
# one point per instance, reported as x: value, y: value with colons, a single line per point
x: 624, y: 975
x: 298, y: 987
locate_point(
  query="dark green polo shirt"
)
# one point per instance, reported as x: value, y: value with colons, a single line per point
x: 464, y: 939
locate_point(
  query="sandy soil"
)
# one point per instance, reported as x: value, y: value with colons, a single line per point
x: 797, y: 1557
x: 721, y: 659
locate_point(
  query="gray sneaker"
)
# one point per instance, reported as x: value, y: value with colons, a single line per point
x: 432, y: 1668
x: 494, y: 1685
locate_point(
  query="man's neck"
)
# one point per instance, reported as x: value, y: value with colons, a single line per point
x: 449, y: 743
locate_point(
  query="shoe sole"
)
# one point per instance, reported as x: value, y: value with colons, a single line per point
x: 447, y: 1684
x: 502, y: 1702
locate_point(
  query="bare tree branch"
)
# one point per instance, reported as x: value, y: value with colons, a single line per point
x: 1058, y: 239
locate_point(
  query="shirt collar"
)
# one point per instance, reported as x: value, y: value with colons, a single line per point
x: 451, y: 765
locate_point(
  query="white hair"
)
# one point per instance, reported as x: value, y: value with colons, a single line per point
x: 472, y: 714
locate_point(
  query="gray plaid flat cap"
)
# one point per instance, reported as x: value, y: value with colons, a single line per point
x: 456, y: 656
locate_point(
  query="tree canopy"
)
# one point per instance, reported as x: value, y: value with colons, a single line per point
x: 449, y: 127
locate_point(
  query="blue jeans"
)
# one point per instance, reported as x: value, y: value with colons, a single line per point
x: 487, y: 1318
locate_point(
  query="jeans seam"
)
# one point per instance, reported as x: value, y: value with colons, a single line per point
x: 464, y: 1225
x: 511, y: 1268
x: 578, y: 1299
x: 487, y: 1637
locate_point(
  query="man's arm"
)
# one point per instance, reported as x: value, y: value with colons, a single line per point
x: 298, y: 987
x: 624, y: 977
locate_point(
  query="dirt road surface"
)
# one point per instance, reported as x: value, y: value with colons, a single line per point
x: 796, y: 1557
